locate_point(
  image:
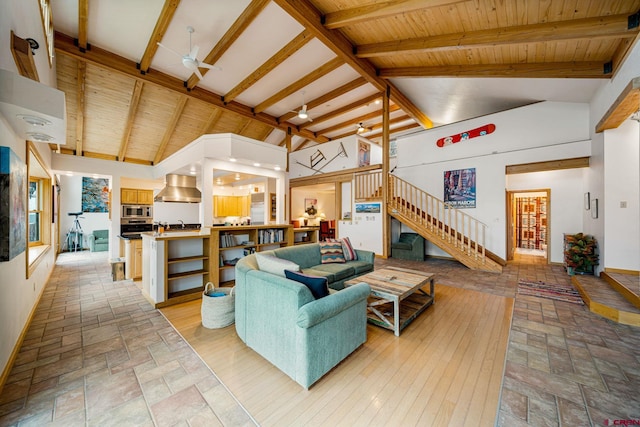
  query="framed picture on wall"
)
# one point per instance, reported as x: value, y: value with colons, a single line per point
x: 311, y: 207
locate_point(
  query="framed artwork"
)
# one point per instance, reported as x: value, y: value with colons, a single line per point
x: 311, y: 207
x: 460, y: 188
x: 13, y: 205
x: 367, y: 207
x: 364, y: 154
x: 95, y: 194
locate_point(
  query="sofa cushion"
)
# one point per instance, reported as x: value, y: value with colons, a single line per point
x: 339, y: 271
x: 331, y: 252
x: 274, y: 265
x: 401, y: 245
x: 313, y: 272
x: 348, y: 251
x: 317, y: 285
x: 361, y: 267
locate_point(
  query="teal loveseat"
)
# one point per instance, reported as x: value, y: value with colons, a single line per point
x: 280, y: 319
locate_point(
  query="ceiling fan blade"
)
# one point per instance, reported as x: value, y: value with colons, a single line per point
x: 198, y: 73
x: 194, y: 52
x: 209, y: 66
x: 169, y: 49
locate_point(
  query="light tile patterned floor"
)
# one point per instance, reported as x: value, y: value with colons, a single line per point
x: 98, y: 354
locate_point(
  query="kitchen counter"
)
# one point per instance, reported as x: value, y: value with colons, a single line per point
x: 196, y: 233
x: 133, y: 236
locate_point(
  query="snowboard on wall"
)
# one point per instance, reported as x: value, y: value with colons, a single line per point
x: 473, y: 133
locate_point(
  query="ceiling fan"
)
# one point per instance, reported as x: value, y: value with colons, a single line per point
x: 302, y: 113
x: 361, y: 129
x: 190, y: 60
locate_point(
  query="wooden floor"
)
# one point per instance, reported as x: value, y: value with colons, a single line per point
x: 445, y: 369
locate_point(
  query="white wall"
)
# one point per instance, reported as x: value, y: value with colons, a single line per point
x: 622, y: 184
x: 300, y: 161
x: 518, y: 138
x: 20, y: 295
x: 599, y: 173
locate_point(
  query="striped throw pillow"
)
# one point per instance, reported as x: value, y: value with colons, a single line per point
x: 347, y: 248
x: 331, y: 252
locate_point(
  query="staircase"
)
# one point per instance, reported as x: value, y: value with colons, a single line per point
x: 453, y: 231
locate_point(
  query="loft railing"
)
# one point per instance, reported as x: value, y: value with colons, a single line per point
x: 461, y: 231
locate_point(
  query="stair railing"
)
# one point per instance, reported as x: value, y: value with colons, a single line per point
x: 456, y: 227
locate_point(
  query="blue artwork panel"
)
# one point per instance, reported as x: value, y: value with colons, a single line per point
x: 95, y: 194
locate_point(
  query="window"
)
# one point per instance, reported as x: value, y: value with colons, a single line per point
x: 40, y: 209
x: 35, y: 211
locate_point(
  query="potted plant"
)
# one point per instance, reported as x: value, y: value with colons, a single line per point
x: 580, y: 255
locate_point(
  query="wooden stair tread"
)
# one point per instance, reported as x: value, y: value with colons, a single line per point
x: 603, y: 299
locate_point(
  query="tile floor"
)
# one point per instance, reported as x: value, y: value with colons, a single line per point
x: 97, y: 353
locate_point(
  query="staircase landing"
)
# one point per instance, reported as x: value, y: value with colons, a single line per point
x: 603, y: 299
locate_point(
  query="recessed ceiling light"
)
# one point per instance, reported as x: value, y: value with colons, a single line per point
x: 232, y: 159
x: 40, y: 137
x: 256, y: 165
x: 277, y: 168
x: 34, y: 120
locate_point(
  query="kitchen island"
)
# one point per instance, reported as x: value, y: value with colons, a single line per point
x: 175, y: 265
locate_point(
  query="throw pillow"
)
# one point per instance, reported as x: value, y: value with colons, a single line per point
x: 274, y: 265
x: 317, y: 285
x: 347, y: 248
x: 331, y: 252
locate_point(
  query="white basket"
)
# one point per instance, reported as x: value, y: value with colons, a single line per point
x: 217, y: 312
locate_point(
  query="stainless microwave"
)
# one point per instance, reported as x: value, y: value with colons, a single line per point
x: 137, y: 211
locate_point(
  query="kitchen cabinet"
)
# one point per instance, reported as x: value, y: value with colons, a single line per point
x: 131, y: 250
x: 231, y: 206
x: 134, y: 196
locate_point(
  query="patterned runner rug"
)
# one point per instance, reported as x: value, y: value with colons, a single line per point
x: 544, y: 290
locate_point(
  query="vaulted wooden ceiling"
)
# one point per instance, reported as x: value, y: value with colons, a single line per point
x: 130, y: 100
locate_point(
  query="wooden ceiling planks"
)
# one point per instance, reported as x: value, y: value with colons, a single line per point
x: 66, y: 79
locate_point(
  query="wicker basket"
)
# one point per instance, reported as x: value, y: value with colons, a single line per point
x: 217, y: 311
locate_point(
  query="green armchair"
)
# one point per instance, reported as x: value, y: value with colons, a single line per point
x: 409, y: 246
x: 99, y: 241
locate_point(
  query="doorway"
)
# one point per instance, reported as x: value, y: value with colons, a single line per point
x: 528, y: 223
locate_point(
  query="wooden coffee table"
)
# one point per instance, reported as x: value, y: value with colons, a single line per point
x: 397, y: 296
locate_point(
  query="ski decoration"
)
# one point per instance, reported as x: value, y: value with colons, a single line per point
x: 481, y: 131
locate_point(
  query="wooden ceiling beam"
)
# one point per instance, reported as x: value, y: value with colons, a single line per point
x: 244, y: 20
x: 575, y: 70
x: 602, y: 27
x: 166, y: 15
x: 354, y: 121
x: 292, y: 47
x: 383, y: 9
x: 83, y: 24
x: 393, y: 131
x: 64, y: 45
x: 171, y: 127
x: 308, y: 15
x: 323, y: 70
x: 344, y: 109
x: 131, y: 116
x: 627, y: 103
x: 335, y: 93
x: 80, y: 106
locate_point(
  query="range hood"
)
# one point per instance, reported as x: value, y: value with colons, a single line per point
x: 179, y: 188
x: 35, y: 111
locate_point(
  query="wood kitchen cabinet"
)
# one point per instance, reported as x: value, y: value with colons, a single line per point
x: 231, y: 206
x: 135, y: 196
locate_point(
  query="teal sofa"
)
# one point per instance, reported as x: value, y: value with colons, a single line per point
x: 280, y: 319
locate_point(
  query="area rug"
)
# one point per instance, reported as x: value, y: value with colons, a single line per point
x: 551, y: 291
